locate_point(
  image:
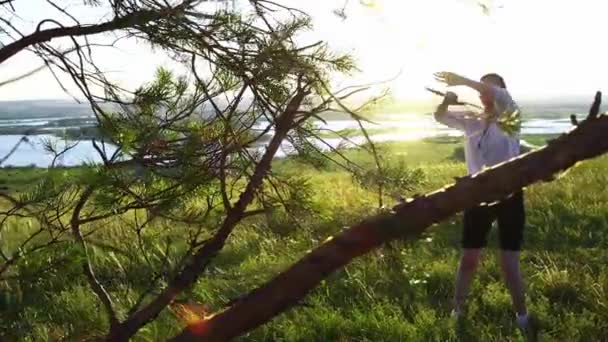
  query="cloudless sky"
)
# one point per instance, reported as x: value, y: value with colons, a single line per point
x: 545, y: 48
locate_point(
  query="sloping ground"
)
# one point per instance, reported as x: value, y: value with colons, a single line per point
x: 399, y: 293
x: 403, y: 293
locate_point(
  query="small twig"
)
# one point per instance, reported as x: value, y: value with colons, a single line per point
x: 595, y: 107
x: 20, y: 77
x: 573, y: 120
x: 96, y: 286
x: 58, y: 155
x: 13, y: 149
x: 9, y: 3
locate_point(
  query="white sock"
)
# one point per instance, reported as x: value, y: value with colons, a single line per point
x: 522, y: 320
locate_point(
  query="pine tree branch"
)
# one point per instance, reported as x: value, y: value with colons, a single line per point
x: 188, y: 276
x: 135, y: 18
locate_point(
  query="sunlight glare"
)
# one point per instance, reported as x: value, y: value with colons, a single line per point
x: 420, y: 38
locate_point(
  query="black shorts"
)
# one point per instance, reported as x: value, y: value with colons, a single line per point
x: 511, y: 218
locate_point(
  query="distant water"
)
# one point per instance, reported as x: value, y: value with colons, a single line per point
x: 40, y: 122
x: 412, y: 128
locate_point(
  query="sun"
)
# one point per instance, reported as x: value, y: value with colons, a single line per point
x: 414, y: 39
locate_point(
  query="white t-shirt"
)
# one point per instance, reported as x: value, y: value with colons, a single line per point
x: 486, y: 144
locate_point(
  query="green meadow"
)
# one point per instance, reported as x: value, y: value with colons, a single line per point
x: 401, y: 292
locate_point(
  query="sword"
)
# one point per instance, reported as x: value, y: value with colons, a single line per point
x: 437, y: 92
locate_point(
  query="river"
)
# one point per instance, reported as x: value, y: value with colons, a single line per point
x: 395, y: 128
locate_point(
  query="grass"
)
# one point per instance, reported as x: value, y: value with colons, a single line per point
x: 400, y: 292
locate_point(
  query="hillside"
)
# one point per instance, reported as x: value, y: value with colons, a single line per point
x: 401, y: 292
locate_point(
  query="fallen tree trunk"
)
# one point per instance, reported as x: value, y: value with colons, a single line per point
x: 407, y: 221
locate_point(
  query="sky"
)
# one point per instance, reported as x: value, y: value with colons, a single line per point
x: 543, y: 48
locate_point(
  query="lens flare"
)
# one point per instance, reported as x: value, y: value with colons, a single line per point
x: 195, y: 316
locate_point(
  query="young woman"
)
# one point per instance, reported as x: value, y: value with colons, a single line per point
x: 488, y: 143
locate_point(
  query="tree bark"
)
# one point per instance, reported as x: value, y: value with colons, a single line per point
x: 407, y: 221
